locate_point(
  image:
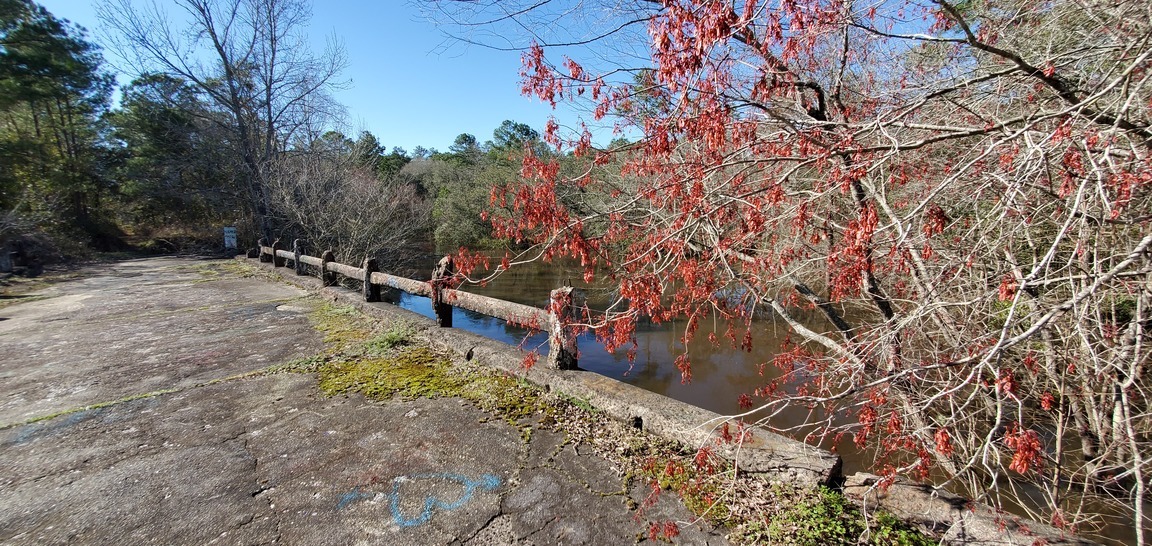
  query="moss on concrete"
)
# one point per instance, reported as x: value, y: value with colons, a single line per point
x: 342, y: 326
x: 391, y: 363
x: 419, y: 372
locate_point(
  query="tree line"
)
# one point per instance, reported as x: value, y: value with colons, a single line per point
x: 230, y: 121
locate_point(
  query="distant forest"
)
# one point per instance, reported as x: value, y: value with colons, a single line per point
x: 242, y: 139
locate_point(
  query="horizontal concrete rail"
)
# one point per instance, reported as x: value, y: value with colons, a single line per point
x: 410, y: 286
x: 515, y: 313
x: 562, y: 339
x: 346, y: 270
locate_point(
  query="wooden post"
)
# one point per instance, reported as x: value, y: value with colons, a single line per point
x: 441, y: 278
x: 327, y: 278
x: 277, y: 260
x: 371, y: 291
x: 297, y: 250
x: 562, y: 337
x: 260, y: 245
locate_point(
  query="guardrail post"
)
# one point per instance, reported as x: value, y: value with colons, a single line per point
x: 371, y: 291
x: 327, y: 278
x: 441, y: 277
x: 277, y: 260
x: 562, y: 336
x: 261, y: 244
x: 297, y: 250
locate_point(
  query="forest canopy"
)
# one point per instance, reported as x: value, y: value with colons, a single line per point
x: 217, y: 126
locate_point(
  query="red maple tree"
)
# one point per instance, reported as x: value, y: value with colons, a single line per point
x: 962, y: 189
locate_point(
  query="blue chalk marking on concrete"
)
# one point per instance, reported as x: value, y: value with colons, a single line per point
x: 353, y: 496
x: 487, y: 482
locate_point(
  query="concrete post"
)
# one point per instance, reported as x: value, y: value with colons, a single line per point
x: 441, y: 278
x: 327, y: 278
x: 562, y: 335
x: 371, y: 291
x: 277, y: 260
x: 297, y: 250
x: 260, y: 245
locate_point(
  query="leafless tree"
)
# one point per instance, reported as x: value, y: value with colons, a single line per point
x: 250, y: 58
x: 336, y: 202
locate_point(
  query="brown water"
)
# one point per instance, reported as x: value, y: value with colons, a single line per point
x: 720, y: 373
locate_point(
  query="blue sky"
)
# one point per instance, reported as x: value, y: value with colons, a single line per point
x: 406, y: 87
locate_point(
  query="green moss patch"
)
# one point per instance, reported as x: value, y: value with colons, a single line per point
x: 389, y: 363
x: 419, y: 372
x: 413, y: 373
x: 342, y: 326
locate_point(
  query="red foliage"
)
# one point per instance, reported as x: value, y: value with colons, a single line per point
x: 666, y: 530
x: 797, y: 155
x: 944, y: 442
x: 1026, y: 449
x: 706, y: 461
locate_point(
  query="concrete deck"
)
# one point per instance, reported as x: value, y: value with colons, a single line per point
x: 184, y: 448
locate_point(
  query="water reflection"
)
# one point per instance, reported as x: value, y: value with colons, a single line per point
x: 720, y: 373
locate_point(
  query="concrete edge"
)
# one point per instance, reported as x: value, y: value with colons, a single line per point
x: 771, y: 456
x: 955, y: 519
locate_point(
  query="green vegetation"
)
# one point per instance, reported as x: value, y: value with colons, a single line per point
x: 231, y: 268
x: 54, y: 92
x: 341, y: 325
x: 814, y: 518
x: 390, y: 362
x: 181, y: 155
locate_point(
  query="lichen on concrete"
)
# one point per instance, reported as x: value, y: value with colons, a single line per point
x: 382, y: 363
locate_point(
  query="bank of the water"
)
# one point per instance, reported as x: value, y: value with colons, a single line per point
x: 721, y: 372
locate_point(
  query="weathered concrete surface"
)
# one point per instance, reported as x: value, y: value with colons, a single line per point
x: 777, y: 458
x: 139, y: 326
x: 772, y: 456
x: 953, y: 518
x: 261, y: 459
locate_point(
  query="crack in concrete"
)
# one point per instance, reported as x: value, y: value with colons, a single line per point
x: 543, y: 526
x: 572, y: 478
x: 470, y: 538
x: 262, y: 489
x: 133, y: 398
